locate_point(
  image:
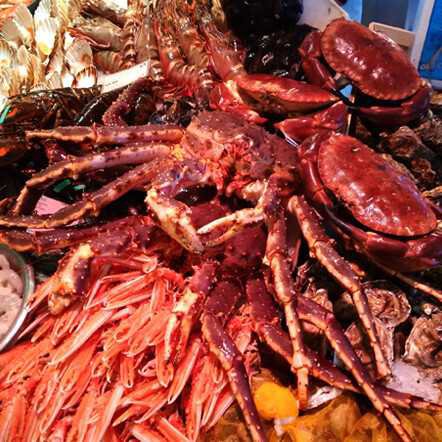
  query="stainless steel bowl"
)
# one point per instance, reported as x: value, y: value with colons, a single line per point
x: 19, y: 265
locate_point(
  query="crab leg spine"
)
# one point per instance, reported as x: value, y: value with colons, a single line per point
x: 321, y: 245
x: 278, y: 260
x: 231, y: 360
x: 90, y: 205
x: 137, y: 154
x: 311, y: 312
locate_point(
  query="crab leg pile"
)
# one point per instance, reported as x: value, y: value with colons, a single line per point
x: 153, y: 323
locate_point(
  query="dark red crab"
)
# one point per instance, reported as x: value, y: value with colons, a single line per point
x: 383, y: 211
x: 374, y: 64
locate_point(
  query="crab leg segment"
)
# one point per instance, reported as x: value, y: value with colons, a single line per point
x: 311, y: 312
x: 43, y: 241
x: 409, y: 110
x: 100, y: 135
x: 90, y: 205
x: 73, y: 275
x: 114, y: 116
x: 278, y: 260
x: 185, y: 313
x: 300, y: 128
x: 266, y: 325
x: 224, y: 348
x: 137, y: 154
x: 322, y: 247
x: 315, y: 71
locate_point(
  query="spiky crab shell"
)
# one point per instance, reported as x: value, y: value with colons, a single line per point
x: 377, y: 193
x: 373, y: 62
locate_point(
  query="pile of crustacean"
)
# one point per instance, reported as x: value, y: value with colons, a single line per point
x: 232, y: 231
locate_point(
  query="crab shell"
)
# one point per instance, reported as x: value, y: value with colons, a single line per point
x: 373, y: 62
x: 277, y: 95
x: 377, y: 193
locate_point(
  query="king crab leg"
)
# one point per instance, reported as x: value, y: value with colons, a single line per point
x: 267, y: 326
x: 43, y: 241
x: 322, y: 247
x: 311, y: 312
x: 74, y: 269
x: 137, y: 154
x: 223, y: 347
x: 114, y: 116
x: 90, y: 205
x: 99, y: 135
x: 424, y: 288
x: 277, y: 257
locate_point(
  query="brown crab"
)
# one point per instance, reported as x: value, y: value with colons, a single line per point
x: 374, y: 64
x: 384, y: 213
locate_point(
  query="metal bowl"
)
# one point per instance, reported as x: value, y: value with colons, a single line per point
x: 19, y: 265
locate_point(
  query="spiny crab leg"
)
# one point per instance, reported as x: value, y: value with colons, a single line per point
x: 278, y: 260
x: 43, y: 241
x: 137, y: 154
x: 266, y: 324
x: 185, y: 313
x: 424, y: 288
x: 224, y: 348
x: 102, y: 135
x: 311, y: 312
x: 74, y: 270
x: 322, y: 247
x: 235, y: 222
x: 90, y: 205
x: 114, y: 116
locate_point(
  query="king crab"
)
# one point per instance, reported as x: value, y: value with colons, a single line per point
x: 239, y: 159
x: 371, y: 62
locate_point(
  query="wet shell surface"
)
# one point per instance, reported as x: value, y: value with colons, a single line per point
x: 374, y: 63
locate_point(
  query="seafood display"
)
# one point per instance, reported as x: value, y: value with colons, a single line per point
x: 229, y: 237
